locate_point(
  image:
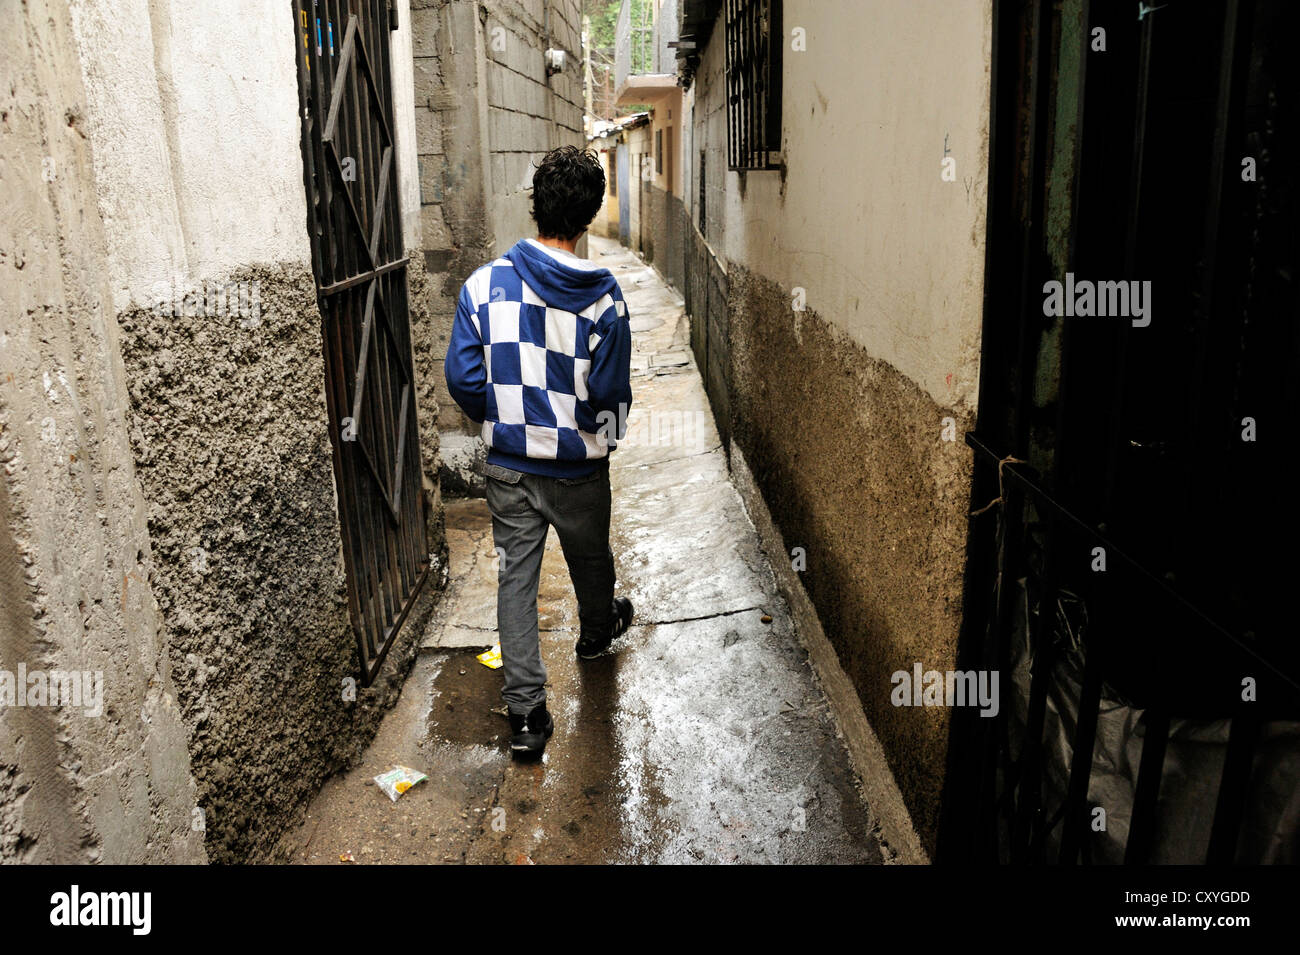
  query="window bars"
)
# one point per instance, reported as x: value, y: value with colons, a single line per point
x: 753, y: 83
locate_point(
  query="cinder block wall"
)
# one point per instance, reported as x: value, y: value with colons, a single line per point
x: 485, y: 111
x: 529, y: 113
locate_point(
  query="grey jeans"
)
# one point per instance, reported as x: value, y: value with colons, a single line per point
x: 524, y: 507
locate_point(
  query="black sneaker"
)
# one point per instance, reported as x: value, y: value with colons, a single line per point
x: 530, y: 731
x: 593, y: 644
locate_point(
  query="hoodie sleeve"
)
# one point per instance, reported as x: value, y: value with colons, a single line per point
x: 609, y: 381
x: 466, y: 376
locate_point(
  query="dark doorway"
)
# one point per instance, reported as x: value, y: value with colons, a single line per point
x: 1140, y: 553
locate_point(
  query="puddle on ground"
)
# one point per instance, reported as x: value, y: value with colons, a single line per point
x: 464, y: 692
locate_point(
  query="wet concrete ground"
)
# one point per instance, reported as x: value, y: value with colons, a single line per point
x: 702, y: 736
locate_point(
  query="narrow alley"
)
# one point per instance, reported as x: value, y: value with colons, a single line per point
x: 960, y: 340
x: 702, y: 736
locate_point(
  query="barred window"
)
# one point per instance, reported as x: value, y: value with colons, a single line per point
x: 753, y: 83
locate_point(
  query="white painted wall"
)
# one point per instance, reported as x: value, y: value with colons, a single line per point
x: 886, y: 250
x: 76, y: 588
x: 193, y: 115
x: 193, y: 112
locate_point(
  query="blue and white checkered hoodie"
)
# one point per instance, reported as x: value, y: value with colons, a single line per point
x: 540, y: 348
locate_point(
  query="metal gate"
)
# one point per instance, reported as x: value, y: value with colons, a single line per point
x: 350, y: 173
x: 1161, y: 148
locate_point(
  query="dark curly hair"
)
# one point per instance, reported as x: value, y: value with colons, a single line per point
x: 568, y: 188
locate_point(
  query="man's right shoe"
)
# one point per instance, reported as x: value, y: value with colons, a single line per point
x: 593, y: 644
x: 530, y: 731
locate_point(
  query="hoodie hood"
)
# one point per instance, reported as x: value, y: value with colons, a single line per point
x: 558, y: 283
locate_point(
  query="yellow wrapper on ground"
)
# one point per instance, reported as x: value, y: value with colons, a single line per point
x: 491, y: 658
x: 398, y: 780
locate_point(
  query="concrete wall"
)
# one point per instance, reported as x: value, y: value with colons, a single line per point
x: 192, y: 117
x: 485, y: 111
x: 664, y: 242
x: 640, y: 165
x: 528, y: 112
x: 839, y: 407
x: 78, y: 591
x: 666, y: 14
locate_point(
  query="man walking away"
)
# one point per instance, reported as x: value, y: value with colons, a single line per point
x: 540, y: 356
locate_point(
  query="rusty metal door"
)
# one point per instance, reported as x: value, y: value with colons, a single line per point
x: 350, y: 172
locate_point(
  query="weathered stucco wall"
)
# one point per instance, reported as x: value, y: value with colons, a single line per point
x: 855, y: 277
x: 231, y: 443
x: 193, y: 111
x: 198, y: 169
x: 109, y: 780
x: 664, y: 241
x: 847, y: 453
x: 887, y: 250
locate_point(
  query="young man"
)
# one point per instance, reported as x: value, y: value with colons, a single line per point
x: 540, y: 355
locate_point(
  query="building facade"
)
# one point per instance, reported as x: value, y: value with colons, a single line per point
x: 838, y: 329
x: 968, y: 482
x: 651, y: 157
